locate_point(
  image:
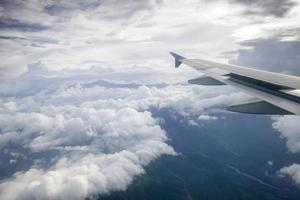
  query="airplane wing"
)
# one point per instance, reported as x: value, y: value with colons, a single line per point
x: 274, y: 93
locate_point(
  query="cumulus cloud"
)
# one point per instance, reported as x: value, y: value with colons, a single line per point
x: 99, y: 149
x: 288, y: 126
x: 292, y: 171
x: 112, y: 148
x: 97, y: 134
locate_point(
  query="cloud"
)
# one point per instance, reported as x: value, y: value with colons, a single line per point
x: 117, y: 148
x: 69, y: 180
x: 288, y: 126
x: 20, y: 26
x: 13, y: 11
x: 82, y: 136
x: 277, y: 8
x: 270, y: 54
x: 107, y: 148
x: 292, y: 171
x: 207, y: 117
x: 3, y: 37
x: 66, y: 34
x: 202, y: 117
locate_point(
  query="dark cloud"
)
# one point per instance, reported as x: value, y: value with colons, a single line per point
x: 14, y: 13
x: 277, y: 8
x: 13, y: 24
x: 55, y: 9
x: 66, y: 7
x: 5, y: 37
x: 290, y: 33
x: 271, y: 54
x: 124, y: 9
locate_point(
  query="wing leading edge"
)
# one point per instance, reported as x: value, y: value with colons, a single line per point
x: 276, y: 94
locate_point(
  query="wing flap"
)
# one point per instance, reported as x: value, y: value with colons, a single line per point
x: 258, y: 107
x: 205, y: 80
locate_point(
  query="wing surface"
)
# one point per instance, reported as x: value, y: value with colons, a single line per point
x: 277, y: 93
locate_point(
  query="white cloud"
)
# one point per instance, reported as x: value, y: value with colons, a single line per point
x: 99, y: 131
x: 114, y: 145
x: 69, y: 179
x: 270, y: 162
x: 207, y: 117
x: 292, y: 171
x: 288, y: 126
x: 12, y: 161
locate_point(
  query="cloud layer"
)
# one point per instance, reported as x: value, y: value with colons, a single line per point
x: 76, y: 34
x: 97, y: 134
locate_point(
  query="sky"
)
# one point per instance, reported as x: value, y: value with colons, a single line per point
x: 77, y: 34
x: 78, y: 79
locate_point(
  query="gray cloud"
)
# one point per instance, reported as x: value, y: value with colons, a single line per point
x: 118, y: 9
x: 271, y: 54
x: 13, y: 11
x: 66, y: 33
x: 63, y: 7
x: 4, y: 37
x: 277, y: 8
x: 16, y: 25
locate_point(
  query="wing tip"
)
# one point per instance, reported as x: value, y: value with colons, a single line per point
x: 177, y: 58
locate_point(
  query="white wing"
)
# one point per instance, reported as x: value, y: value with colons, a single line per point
x: 274, y: 93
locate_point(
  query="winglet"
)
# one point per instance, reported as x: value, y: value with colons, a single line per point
x: 178, y: 59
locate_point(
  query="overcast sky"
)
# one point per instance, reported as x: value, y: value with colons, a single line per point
x: 78, y: 34
x: 78, y: 79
